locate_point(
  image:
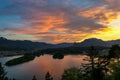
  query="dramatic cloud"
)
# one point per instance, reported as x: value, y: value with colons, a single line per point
x: 58, y: 20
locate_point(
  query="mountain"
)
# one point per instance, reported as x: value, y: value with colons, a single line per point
x: 92, y: 42
x: 112, y: 42
x: 62, y: 45
x: 97, y: 42
x: 6, y: 44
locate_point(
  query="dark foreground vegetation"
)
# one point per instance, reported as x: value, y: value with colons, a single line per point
x: 3, y: 74
x: 58, y: 56
x: 69, y: 50
x: 98, y: 68
x: 20, y: 60
x: 105, y: 67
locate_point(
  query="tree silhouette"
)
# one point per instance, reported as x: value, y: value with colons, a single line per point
x: 72, y: 74
x: 2, y: 73
x: 34, y: 78
x: 114, y: 51
x: 48, y: 76
x: 97, y: 66
x: 95, y: 69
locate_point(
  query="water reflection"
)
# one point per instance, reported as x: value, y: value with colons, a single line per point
x: 40, y: 65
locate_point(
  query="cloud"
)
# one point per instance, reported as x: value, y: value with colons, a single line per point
x: 114, y: 5
x: 60, y: 20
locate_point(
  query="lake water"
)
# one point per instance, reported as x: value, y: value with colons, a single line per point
x: 41, y: 65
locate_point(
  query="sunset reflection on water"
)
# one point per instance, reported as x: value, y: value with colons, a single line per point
x: 41, y: 65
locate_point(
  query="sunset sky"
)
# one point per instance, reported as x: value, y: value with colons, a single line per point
x: 56, y: 21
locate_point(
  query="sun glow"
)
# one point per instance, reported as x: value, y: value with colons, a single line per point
x: 115, y: 23
x: 112, y: 32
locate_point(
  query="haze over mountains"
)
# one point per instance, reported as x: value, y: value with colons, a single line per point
x: 6, y: 44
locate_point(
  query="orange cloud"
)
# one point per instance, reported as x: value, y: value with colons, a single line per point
x: 68, y: 24
x: 48, y: 24
x: 100, y: 14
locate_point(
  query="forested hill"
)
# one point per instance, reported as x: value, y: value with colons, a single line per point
x: 6, y: 44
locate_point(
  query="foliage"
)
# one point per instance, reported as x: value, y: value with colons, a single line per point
x: 72, y: 74
x: 97, y: 68
x: 34, y: 78
x: 114, y: 51
x: 48, y: 76
x: 58, y: 56
x: 3, y: 74
x: 115, y: 67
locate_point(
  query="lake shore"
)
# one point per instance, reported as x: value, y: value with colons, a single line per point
x: 11, y: 53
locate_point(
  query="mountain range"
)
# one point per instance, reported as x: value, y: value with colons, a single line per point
x: 6, y: 44
x: 98, y: 42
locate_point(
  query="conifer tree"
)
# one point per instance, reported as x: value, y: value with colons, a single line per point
x: 34, y: 78
x: 48, y: 76
x: 2, y: 73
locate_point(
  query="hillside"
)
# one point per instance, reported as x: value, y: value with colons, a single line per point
x: 17, y: 45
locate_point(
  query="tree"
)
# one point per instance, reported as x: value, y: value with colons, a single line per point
x: 114, y: 51
x: 2, y: 73
x: 97, y: 67
x: 48, y: 76
x: 34, y: 78
x: 115, y: 70
x: 72, y: 74
x: 115, y: 66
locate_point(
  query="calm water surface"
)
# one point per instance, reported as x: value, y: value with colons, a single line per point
x: 41, y: 65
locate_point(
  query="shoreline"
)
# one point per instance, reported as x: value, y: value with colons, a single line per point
x: 10, y: 53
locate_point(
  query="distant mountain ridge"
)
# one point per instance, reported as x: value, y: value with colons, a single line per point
x: 98, y: 42
x: 6, y: 44
x: 92, y: 42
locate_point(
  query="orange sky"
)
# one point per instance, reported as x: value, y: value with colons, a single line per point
x: 60, y: 21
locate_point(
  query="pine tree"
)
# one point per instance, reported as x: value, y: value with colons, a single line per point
x: 34, y: 78
x: 2, y: 73
x: 48, y: 76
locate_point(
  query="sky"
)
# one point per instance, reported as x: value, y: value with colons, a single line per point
x: 57, y: 21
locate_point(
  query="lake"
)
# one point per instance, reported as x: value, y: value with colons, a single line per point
x: 41, y: 65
